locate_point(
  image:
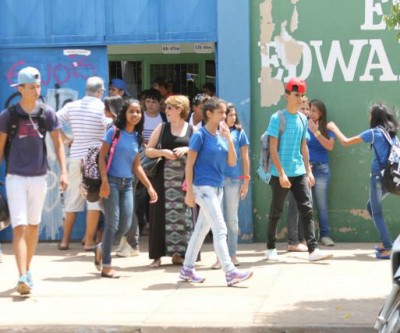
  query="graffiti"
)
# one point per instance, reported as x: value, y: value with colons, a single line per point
x: 77, y: 67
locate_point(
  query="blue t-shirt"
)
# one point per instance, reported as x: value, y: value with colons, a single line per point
x: 27, y: 156
x: 381, y: 148
x: 124, y: 154
x: 239, y: 139
x: 212, y: 152
x: 318, y: 153
x: 290, y: 142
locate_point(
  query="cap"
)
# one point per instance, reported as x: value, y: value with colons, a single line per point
x: 120, y: 84
x: 296, y: 84
x: 27, y: 75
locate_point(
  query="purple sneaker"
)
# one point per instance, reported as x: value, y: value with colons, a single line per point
x: 190, y: 275
x: 237, y: 276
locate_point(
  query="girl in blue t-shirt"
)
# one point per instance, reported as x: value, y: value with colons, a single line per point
x: 380, y: 120
x: 210, y: 148
x: 236, y: 182
x: 116, y: 180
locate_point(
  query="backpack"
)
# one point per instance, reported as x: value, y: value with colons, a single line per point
x: 265, y: 162
x: 4, y: 212
x: 391, y: 172
x: 13, y: 126
x: 91, y: 178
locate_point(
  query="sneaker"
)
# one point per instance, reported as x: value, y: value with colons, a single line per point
x: 297, y: 248
x: 128, y: 251
x: 384, y: 254
x: 29, y: 278
x: 23, y: 286
x: 327, y: 241
x: 271, y: 255
x: 379, y: 248
x: 317, y: 254
x: 237, y: 276
x: 190, y: 275
x: 217, y: 265
x: 122, y: 244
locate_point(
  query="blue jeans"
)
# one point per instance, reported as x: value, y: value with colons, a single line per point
x: 374, y: 207
x: 209, y: 199
x: 230, y: 205
x: 322, y: 176
x: 118, y: 210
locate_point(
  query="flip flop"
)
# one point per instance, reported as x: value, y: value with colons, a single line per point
x: 63, y: 247
x: 109, y: 276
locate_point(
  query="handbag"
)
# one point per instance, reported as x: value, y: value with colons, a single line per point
x: 150, y: 164
x: 5, y: 220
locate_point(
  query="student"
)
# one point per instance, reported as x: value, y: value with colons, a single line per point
x: 116, y: 182
x: 291, y: 171
x: 210, y: 148
x: 381, y: 119
x: 129, y: 245
x: 117, y: 87
x: 236, y: 182
x: 26, y: 176
x: 196, y: 115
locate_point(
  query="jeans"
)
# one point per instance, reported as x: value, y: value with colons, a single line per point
x: 118, y: 210
x: 302, y: 196
x: 209, y: 199
x: 322, y: 176
x: 230, y: 205
x: 295, y: 229
x: 374, y: 207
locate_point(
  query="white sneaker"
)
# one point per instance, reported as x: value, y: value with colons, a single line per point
x: 317, y: 254
x: 327, y: 241
x: 122, y: 244
x: 128, y: 251
x: 271, y: 255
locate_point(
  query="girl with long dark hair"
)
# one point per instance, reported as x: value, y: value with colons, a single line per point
x: 116, y: 186
x: 381, y: 120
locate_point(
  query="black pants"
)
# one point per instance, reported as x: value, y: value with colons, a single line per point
x: 302, y: 197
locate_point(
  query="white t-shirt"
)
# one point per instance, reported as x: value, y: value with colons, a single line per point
x: 150, y: 123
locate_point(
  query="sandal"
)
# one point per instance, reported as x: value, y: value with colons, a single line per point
x: 63, y: 247
x: 110, y: 275
x: 97, y: 257
x: 156, y: 263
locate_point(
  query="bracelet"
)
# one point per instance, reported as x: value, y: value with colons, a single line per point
x: 317, y: 134
x: 244, y: 177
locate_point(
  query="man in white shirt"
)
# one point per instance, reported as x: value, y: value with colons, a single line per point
x: 87, y: 119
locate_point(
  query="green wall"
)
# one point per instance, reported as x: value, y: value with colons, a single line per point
x: 349, y: 61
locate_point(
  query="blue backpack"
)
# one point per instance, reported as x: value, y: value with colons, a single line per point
x: 265, y: 162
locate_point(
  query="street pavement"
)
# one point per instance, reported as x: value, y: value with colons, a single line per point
x: 343, y: 294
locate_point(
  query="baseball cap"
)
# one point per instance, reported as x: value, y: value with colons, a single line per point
x: 27, y: 75
x: 296, y: 84
x: 120, y: 84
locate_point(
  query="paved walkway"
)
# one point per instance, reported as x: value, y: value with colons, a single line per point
x: 344, y: 294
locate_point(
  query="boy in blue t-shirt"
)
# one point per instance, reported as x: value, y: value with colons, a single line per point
x: 291, y: 171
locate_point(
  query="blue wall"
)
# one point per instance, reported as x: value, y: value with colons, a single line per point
x: 63, y: 79
x: 233, y: 74
x: 26, y: 23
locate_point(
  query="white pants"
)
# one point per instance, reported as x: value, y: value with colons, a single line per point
x: 26, y: 196
x: 74, y: 202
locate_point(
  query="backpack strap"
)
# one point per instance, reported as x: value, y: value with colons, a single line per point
x: 114, y: 142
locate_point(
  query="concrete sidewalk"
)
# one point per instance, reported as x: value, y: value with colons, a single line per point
x: 343, y: 294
